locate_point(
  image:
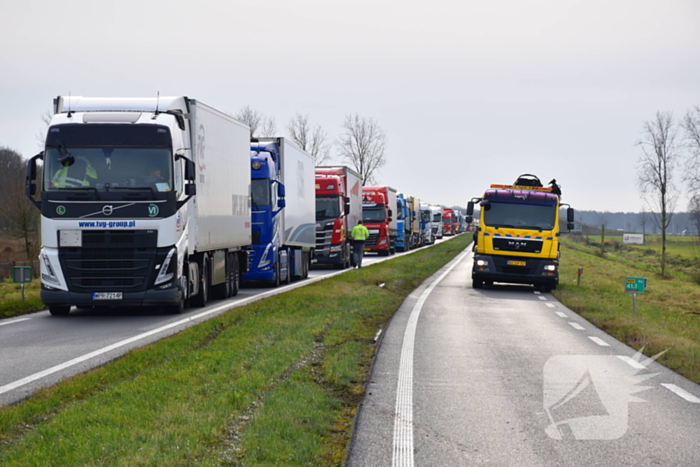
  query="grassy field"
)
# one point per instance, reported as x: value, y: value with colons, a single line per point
x: 276, y: 382
x: 668, y: 313
x: 11, y: 303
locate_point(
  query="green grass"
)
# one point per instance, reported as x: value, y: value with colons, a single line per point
x: 668, y: 313
x: 11, y: 303
x: 276, y: 382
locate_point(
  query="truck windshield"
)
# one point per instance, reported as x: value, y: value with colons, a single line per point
x: 373, y: 215
x: 520, y: 216
x: 261, y: 191
x: 105, y: 168
x: 327, y: 207
x: 437, y: 217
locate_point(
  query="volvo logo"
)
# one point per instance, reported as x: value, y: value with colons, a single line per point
x: 107, y: 210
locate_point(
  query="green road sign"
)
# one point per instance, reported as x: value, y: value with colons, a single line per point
x: 22, y: 274
x: 635, y: 284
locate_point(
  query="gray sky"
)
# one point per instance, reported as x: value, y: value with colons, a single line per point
x: 469, y: 92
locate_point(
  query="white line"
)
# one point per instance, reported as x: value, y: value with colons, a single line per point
x: 403, y: 420
x: 682, y: 392
x: 537, y: 292
x: 376, y: 336
x: 542, y: 297
x: 631, y: 362
x: 577, y: 326
x: 550, y: 305
x: 14, y: 321
x: 561, y: 314
x: 599, y: 341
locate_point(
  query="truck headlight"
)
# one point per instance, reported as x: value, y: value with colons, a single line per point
x: 550, y: 267
x: 166, y: 273
x: 482, y: 262
x: 50, y: 275
x: 264, y: 261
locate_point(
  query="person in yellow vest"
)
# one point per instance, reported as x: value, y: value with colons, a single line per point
x: 359, y: 235
x: 74, y: 173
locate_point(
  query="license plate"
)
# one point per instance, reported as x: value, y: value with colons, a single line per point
x: 517, y: 263
x: 107, y: 296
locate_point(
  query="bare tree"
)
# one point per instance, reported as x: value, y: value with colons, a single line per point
x: 656, y: 172
x: 694, y: 213
x: 363, y: 144
x: 643, y: 221
x: 41, y: 135
x: 18, y: 215
x: 312, y: 140
x: 691, y: 125
x: 260, y: 126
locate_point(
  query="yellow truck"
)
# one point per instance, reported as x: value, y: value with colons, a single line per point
x: 517, y: 240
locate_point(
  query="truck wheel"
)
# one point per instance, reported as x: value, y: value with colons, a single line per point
x: 477, y: 283
x: 288, y: 276
x: 59, y: 310
x: 178, y: 308
x: 202, y: 297
x: 276, y: 280
x: 383, y: 252
x: 306, y: 261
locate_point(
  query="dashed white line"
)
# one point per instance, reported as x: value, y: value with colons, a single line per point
x: 599, y: 341
x: 542, y: 297
x: 681, y: 392
x: 561, y: 314
x: 577, y: 326
x: 550, y: 305
x: 537, y: 292
x: 631, y: 362
x: 376, y: 336
x: 14, y: 321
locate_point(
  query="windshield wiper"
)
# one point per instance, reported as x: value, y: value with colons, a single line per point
x: 140, y: 188
x: 80, y: 188
x: 508, y: 226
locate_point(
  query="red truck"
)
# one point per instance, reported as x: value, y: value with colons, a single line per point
x: 338, y: 208
x: 378, y: 203
x: 448, y: 221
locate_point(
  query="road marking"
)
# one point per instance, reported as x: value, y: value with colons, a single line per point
x: 550, y: 305
x: 682, y: 392
x: 577, y: 326
x: 537, y: 292
x: 561, y: 314
x: 14, y: 321
x: 542, y: 297
x: 599, y: 341
x: 376, y: 336
x: 631, y: 362
x: 403, y: 420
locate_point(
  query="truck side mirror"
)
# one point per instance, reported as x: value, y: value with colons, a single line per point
x: 570, y: 225
x: 190, y: 173
x: 469, y: 219
x: 281, y: 203
x: 391, y: 214
x: 29, y: 185
x: 470, y: 208
x: 570, y: 215
x: 347, y: 205
x: 190, y: 189
x: 280, y: 191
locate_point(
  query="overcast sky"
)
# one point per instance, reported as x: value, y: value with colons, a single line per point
x: 469, y: 92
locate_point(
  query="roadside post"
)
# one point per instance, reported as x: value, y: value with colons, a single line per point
x: 635, y: 285
x: 580, y: 273
x: 22, y: 275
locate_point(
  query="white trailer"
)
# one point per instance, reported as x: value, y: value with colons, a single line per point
x: 145, y: 202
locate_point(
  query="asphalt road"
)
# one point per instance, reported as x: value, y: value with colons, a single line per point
x: 507, y: 376
x: 39, y: 350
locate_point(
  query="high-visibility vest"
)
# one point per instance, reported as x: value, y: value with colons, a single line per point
x: 62, y: 180
x: 359, y: 232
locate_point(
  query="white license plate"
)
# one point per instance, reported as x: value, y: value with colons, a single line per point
x: 107, y: 296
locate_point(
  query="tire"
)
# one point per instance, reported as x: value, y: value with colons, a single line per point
x: 288, y: 276
x: 223, y: 291
x: 59, y: 310
x: 306, y: 261
x: 384, y: 252
x: 477, y: 283
x: 178, y: 308
x: 276, y: 280
x: 202, y: 297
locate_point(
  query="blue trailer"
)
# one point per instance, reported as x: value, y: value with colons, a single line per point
x: 283, y: 211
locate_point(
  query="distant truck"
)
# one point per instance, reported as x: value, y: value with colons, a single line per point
x: 414, y: 207
x: 283, y: 211
x: 144, y: 202
x: 378, y: 204
x: 448, y: 222
x: 405, y: 216
x: 517, y: 240
x: 338, y: 208
x: 426, y: 226
x: 436, y: 221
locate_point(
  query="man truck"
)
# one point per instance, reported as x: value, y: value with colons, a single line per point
x: 436, y: 221
x: 517, y: 240
x: 378, y: 204
x: 338, y: 208
x: 144, y: 202
x: 283, y: 211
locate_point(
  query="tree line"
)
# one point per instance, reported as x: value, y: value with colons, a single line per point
x: 670, y: 154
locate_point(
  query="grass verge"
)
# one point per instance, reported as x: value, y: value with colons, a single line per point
x: 276, y: 382
x: 11, y: 303
x: 668, y: 313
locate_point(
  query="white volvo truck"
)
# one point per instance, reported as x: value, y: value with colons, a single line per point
x: 144, y: 202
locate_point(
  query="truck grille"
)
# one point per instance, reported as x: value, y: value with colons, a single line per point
x: 372, y: 240
x: 111, y: 260
x: 323, y: 239
x: 525, y: 245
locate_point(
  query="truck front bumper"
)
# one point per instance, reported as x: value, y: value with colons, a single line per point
x: 140, y: 299
x: 516, y: 269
